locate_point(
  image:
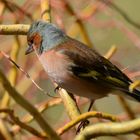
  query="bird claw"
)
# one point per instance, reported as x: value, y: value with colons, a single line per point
x: 82, y: 124
x: 56, y: 89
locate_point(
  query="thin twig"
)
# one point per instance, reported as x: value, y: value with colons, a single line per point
x: 13, y: 72
x: 26, y: 105
x: 25, y: 73
x: 2, y: 136
x: 12, y: 6
x: 5, y: 131
x: 21, y: 124
x: 123, y: 102
x: 41, y: 108
x: 134, y: 85
x: 121, y: 12
x: 111, y: 52
x: 2, y: 10
x: 127, y: 107
x: 80, y: 24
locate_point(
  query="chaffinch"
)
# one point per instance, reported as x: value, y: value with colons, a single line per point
x: 74, y: 66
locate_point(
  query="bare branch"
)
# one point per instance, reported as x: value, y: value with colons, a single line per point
x: 109, y: 129
x: 21, y: 124
x: 16, y: 29
x: 84, y: 117
x: 26, y: 105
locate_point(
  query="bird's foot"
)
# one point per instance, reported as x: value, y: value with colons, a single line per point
x: 82, y: 125
x: 56, y: 89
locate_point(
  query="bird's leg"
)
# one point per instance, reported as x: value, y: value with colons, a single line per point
x: 84, y: 123
x: 91, y: 104
x: 56, y: 89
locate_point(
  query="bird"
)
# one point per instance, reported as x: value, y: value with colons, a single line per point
x: 76, y: 67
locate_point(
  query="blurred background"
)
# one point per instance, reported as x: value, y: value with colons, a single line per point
x: 98, y: 23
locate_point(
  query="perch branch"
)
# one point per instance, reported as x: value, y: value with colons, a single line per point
x: 16, y: 29
x: 109, y: 129
x: 84, y: 117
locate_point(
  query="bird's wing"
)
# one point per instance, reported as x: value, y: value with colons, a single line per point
x: 89, y: 65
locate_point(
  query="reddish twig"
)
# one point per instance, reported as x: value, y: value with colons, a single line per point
x: 16, y: 120
x: 25, y: 73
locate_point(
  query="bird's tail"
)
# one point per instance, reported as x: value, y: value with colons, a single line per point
x: 135, y: 94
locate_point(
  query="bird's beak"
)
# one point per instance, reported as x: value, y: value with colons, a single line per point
x: 29, y: 49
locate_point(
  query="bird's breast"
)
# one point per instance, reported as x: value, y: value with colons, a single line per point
x: 56, y: 65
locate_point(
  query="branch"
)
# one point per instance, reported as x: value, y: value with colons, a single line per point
x: 121, y: 12
x: 41, y: 108
x: 21, y: 124
x: 13, y: 6
x: 80, y: 23
x: 126, y: 107
x: 69, y: 103
x: 5, y: 131
x: 111, y: 52
x: 123, y: 102
x: 109, y: 129
x: 134, y: 85
x: 2, y: 136
x: 26, y: 105
x: 16, y: 29
x: 13, y: 72
x: 45, y: 10
x: 84, y: 117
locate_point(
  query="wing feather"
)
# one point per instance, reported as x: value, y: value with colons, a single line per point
x: 90, y: 65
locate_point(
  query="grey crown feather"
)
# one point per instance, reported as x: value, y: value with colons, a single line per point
x: 51, y: 35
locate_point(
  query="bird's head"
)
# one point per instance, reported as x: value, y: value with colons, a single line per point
x: 43, y: 36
